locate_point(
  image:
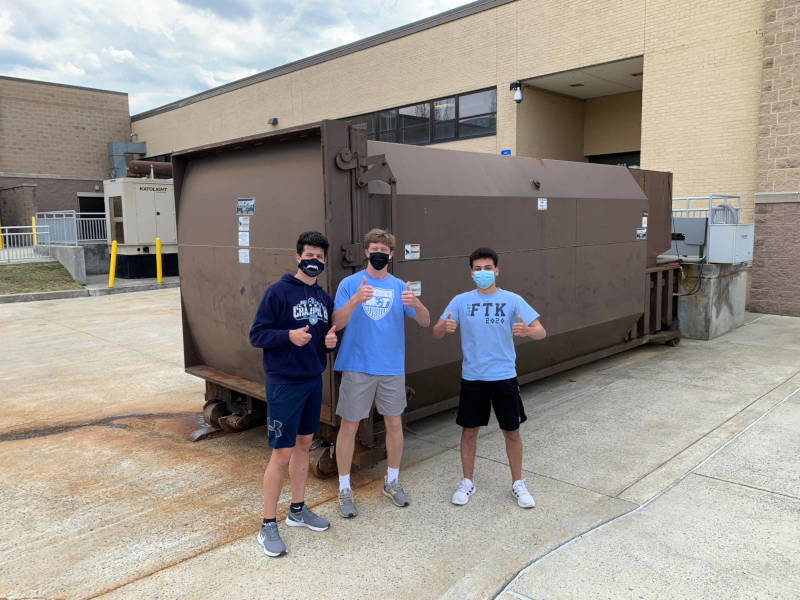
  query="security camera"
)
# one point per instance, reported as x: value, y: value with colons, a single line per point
x: 516, y: 86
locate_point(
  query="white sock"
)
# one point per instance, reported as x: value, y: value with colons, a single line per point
x: 344, y: 482
x: 392, y: 474
x: 469, y: 481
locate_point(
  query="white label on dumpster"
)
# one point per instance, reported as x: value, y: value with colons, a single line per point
x: 244, y: 257
x: 245, y: 206
x: 542, y: 203
x: 244, y: 238
x: 644, y: 219
x: 413, y: 251
x: 416, y: 287
x: 244, y: 223
x: 641, y: 234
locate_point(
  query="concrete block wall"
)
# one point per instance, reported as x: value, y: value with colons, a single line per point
x: 775, y: 285
x: 57, y: 129
x: 17, y: 205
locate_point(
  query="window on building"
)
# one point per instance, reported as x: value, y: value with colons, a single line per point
x: 444, y: 119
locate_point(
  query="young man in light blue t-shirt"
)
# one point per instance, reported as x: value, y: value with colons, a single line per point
x: 371, y: 306
x: 490, y: 319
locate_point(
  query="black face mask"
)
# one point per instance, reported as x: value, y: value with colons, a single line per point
x: 311, y: 267
x: 378, y: 260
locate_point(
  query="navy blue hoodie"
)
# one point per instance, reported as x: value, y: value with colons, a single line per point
x: 291, y: 304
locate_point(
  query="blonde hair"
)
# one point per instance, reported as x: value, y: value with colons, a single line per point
x: 379, y: 236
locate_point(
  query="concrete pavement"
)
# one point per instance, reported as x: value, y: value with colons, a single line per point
x: 678, y: 464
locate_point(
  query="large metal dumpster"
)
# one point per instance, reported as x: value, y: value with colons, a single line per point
x: 572, y: 238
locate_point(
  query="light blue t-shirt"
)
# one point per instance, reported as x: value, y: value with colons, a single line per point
x: 487, y: 341
x: 374, y: 339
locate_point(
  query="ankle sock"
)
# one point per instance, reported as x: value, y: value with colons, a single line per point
x: 265, y: 521
x: 296, y: 507
x: 392, y: 474
x: 344, y: 482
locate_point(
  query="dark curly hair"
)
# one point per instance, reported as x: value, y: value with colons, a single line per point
x: 312, y: 238
x: 483, y: 253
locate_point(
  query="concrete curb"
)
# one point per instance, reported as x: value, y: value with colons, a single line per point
x: 59, y: 295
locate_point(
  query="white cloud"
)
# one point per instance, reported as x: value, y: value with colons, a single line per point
x: 163, y: 50
x: 118, y: 55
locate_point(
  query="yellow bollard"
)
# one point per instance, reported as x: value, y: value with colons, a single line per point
x: 1, y: 236
x: 35, y: 237
x: 158, y: 260
x: 113, y: 266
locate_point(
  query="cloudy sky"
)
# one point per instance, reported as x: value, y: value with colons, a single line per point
x: 163, y: 50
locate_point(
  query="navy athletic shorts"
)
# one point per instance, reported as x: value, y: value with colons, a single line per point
x: 478, y: 397
x: 292, y: 410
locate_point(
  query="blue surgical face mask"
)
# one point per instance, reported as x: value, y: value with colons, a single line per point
x: 484, y: 279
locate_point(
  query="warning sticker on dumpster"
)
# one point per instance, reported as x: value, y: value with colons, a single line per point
x: 244, y: 238
x: 542, y: 204
x: 415, y: 287
x: 245, y: 206
x: 644, y: 219
x: 413, y: 251
x: 244, y: 223
x: 244, y: 257
x: 641, y: 234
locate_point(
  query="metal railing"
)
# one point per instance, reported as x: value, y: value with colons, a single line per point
x: 24, y: 243
x: 91, y: 227
x: 70, y: 228
x: 722, y: 213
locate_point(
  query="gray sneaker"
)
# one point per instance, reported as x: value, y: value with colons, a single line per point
x: 306, y: 518
x: 395, y: 491
x: 347, y: 508
x: 270, y: 540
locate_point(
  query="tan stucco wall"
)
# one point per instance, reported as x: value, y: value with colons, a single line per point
x: 550, y: 126
x: 613, y: 124
x: 699, y: 106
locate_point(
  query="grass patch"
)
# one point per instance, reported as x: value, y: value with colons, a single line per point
x: 35, y: 277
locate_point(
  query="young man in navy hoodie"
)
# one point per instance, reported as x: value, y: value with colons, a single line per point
x: 293, y: 325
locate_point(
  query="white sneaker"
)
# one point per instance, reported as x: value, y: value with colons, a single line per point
x: 520, y: 492
x: 465, y: 489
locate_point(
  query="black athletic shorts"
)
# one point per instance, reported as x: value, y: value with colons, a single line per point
x: 478, y: 397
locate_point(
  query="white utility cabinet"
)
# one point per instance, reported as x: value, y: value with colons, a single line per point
x: 730, y: 243
x: 139, y: 210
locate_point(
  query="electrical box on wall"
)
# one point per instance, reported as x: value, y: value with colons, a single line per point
x: 139, y: 210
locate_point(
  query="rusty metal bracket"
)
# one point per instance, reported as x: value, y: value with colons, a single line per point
x: 352, y: 256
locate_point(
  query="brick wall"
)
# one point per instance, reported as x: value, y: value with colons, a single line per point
x: 17, y: 205
x: 775, y: 284
x: 57, y: 129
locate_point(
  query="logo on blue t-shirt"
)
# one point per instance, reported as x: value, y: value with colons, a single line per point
x: 379, y: 305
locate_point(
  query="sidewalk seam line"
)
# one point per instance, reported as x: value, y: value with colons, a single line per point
x: 745, y: 485
x: 674, y: 484
x: 701, y: 438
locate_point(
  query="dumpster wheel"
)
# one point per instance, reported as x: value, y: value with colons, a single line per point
x: 322, y: 462
x: 674, y: 342
x: 234, y: 423
x: 213, y: 410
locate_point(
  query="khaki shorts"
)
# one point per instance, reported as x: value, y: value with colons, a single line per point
x: 358, y: 391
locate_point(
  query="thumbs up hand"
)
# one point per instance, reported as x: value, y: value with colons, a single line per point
x: 300, y: 336
x: 519, y: 329
x: 330, y: 338
x: 364, y: 291
x: 408, y: 297
x: 449, y: 324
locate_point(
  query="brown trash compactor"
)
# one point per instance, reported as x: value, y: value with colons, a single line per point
x: 571, y: 237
